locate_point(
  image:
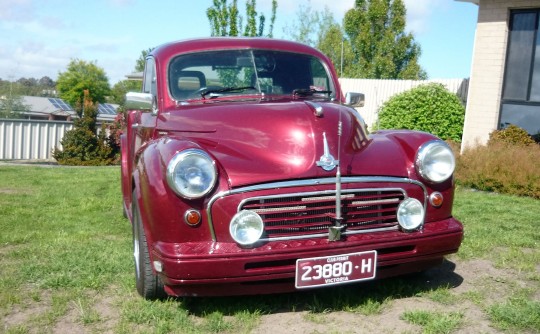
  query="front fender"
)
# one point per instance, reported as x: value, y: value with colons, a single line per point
x: 162, y: 211
x: 410, y: 142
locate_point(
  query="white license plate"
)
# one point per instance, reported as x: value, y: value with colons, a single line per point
x: 336, y: 269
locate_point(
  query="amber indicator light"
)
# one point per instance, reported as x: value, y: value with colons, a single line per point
x: 192, y: 217
x: 436, y: 199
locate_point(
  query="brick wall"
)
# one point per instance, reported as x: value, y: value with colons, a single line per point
x: 485, y: 87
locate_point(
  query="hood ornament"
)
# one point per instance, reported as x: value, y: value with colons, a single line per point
x: 327, y: 161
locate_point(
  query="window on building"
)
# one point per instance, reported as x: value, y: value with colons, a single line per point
x: 521, y: 91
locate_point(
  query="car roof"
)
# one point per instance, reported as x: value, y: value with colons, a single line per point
x: 224, y: 43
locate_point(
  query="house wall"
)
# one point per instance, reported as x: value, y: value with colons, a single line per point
x: 487, y: 70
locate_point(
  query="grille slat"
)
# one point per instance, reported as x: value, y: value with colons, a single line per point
x: 299, y: 215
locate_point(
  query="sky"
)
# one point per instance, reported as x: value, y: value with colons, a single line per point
x: 40, y: 37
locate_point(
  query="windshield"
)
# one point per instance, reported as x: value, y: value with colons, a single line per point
x: 242, y: 72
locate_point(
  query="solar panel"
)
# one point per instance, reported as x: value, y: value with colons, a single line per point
x: 60, y: 104
x: 54, y: 103
x: 106, y: 108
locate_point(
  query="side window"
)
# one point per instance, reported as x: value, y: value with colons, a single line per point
x: 320, y: 77
x: 149, y: 83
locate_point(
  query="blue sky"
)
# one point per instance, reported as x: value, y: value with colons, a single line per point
x: 40, y: 37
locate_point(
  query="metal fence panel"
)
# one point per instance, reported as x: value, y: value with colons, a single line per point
x: 30, y: 139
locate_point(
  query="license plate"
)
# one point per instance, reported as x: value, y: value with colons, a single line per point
x: 336, y: 269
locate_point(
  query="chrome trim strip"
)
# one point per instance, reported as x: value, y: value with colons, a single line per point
x: 319, y: 235
x: 324, y: 192
x: 374, y: 202
x: 392, y: 228
x: 305, y: 183
x: 325, y: 235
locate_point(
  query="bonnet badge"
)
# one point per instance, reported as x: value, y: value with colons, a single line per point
x: 327, y: 161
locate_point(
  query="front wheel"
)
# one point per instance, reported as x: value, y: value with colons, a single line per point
x: 148, y: 283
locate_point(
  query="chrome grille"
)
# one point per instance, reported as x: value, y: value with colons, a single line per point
x: 303, y: 214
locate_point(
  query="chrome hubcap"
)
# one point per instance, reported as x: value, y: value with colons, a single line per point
x: 136, y: 244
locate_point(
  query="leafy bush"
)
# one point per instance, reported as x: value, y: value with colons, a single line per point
x: 430, y: 108
x: 83, y: 146
x: 501, y: 167
x: 116, y: 129
x: 511, y: 135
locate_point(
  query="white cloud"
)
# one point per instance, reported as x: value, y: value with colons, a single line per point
x: 15, y: 10
x: 30, y: 58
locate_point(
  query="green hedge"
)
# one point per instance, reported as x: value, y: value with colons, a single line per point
x: 430, y: 108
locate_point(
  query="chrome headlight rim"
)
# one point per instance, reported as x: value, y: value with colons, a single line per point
x: 424, y: 161
x: 181, y: 157
x: 405, y: 208
x: 234, y: 228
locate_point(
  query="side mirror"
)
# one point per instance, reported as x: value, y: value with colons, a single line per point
x: 139, y: 101
x: 354, y: 99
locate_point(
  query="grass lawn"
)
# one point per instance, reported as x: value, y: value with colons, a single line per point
x: 65, y: 263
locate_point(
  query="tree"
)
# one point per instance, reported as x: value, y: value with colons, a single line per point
x: 11, y: 102
x: 320, y: 30
x: 46, y: 82
x: 333, y: 43
x: 83, y: 145
x: 28, y: 86
x: 119, y: 90
x: 225, y: 19
x: 79, y: 77
x: 12, y: 106
x: 381, y: 48
x: 139, y: 65
x: 301, y: 30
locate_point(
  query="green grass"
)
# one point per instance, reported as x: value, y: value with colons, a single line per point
x: 497, y: 225
x: 518, y: 313
x: 434, y: 322
x: 65, y: 248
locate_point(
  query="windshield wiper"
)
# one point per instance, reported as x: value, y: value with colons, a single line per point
x: 225, y: 90
x: 303, y: 92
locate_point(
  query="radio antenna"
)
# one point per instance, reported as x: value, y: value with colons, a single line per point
x: 335, y: 231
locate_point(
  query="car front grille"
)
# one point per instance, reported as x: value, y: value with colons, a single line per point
x: 306, y: 214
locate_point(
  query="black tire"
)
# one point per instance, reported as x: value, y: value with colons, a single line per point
x: 148, y: 284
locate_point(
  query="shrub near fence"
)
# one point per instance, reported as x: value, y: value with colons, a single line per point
x: 379, y: 91
x: 30, y: 139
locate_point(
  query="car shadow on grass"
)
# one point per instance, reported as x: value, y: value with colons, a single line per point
x: 364, y: 297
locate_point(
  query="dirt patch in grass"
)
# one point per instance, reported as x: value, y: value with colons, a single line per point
x: 13, y: 191
x: 461, y: 279
x: 465, y: 288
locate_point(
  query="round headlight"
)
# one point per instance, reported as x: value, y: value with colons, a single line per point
x: 410, y: 214
x: 435, y: 161
x: 246, y: 227
x: 191, y: 173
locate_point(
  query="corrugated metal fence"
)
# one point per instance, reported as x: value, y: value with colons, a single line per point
x: 30, y: 140
x: 35, y: 140
x: 379, y: 91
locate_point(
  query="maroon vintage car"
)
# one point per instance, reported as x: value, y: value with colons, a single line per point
x: 246, y: 170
